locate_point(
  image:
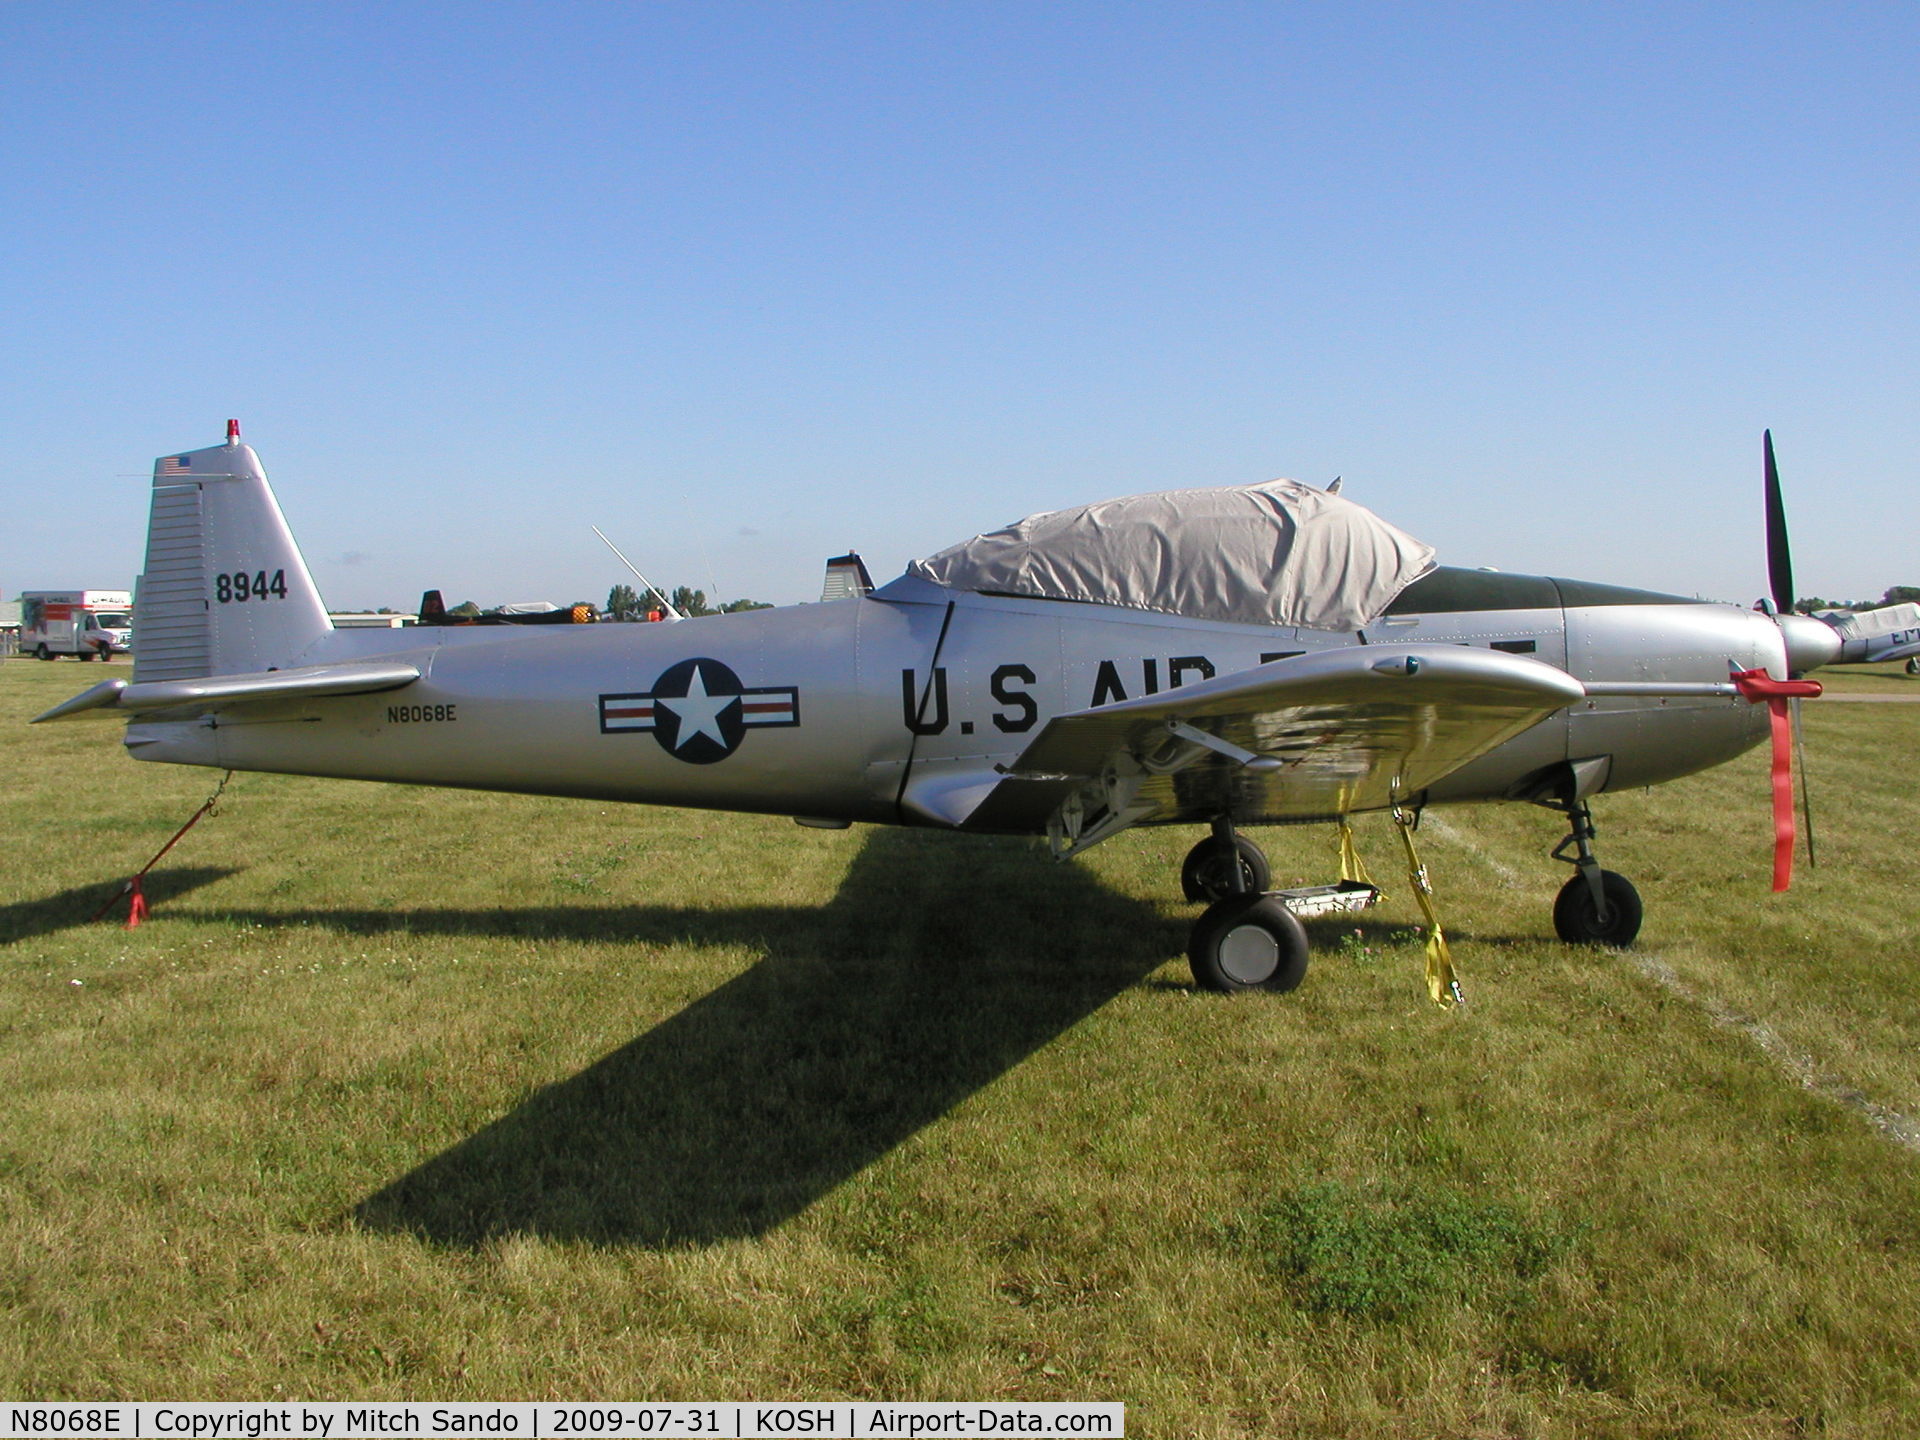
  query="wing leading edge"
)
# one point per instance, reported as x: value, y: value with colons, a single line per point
x: 1312, y: 737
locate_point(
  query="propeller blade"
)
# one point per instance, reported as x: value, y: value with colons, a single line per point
x: 1779, y: 552
x: 1806, y: 795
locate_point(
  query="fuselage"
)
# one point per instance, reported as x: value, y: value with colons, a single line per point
x: 822, y: 711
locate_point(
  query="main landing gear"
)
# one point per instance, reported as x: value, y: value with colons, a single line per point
x: 1209, y: 871
x: 1245, y: 939
x: 1595, y: 907
x: 1250, y: 938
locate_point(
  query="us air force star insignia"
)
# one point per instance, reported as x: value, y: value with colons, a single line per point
x: 699, y: 711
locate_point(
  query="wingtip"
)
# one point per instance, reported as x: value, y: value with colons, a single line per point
x: 106, y: 693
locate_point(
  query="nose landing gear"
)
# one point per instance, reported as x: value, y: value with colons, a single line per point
x: 1595, y: 907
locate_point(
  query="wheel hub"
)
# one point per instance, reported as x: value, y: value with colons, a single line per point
x: 1249, y: 954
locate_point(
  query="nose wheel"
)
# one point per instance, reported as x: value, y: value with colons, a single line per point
x: 1595, y: 907
x: 1612, y: 920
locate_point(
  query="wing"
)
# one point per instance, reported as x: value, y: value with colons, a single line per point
x: 230, y: 690
x: 1312, y: 737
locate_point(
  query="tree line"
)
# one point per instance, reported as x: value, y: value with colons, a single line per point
x: 1896, y: 595
x: 625, y: 603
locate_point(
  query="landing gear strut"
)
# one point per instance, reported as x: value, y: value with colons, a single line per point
x: 1245, y: 939
x: 1595, y: 907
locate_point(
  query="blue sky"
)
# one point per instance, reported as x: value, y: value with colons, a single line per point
x: 745, y: 285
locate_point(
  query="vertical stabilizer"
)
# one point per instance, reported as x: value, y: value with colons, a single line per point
x: 225, y: 590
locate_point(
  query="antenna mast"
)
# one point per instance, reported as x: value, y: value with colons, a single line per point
x: 665, y: 604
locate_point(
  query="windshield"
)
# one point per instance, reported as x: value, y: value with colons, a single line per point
x: 113, y: 620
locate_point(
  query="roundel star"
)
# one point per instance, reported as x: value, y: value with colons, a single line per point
x: 700, y: 712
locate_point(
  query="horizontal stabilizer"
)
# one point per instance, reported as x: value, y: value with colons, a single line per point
x: 309, y: 682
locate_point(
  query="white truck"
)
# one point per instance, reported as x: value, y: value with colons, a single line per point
x: 81, y: 623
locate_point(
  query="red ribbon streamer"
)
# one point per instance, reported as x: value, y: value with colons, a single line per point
x: 1756, y: 686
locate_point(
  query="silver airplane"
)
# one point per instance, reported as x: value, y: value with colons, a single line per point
x: 1223, y: 657
x: 1887, y: 632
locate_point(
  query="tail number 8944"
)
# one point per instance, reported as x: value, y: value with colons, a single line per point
x: 242, y: 586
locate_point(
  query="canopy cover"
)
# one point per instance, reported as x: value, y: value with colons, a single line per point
x: 1281, y: 553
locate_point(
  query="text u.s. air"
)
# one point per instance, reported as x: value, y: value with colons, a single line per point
x: 1263, y: 654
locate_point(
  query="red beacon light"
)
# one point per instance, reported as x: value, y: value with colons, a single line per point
x: 233, y: 432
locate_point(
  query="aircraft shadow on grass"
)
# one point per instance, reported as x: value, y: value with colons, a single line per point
x: 943, y: 962
x: 105, y: 901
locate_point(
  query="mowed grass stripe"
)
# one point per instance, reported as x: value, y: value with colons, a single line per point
x: 406, y: 1093
x: 1900, y: 1129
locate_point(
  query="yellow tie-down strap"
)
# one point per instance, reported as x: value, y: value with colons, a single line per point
x: 1441, y: 984
x: 1352, y: 868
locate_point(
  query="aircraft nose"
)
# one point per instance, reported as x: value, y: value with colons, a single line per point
x: 1810, y: 643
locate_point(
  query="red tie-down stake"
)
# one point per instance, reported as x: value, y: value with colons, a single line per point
x: 1757, y: 685
x: 137, y: 903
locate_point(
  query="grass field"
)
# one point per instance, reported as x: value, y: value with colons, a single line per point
x: 417, y: 1094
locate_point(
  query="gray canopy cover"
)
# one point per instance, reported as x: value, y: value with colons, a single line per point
x: 1282, y: 553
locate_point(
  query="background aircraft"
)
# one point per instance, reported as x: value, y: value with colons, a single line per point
x: 1225, y: 657
x: 1888, y: 632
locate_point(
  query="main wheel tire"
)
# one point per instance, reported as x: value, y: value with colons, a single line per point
x: 43, y: 653
x: 1578, y: 921
x: 1207, y: 872
x: 1247, y: 942
x: 1913, y: 665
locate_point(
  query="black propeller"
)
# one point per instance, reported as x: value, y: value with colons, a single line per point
x: 1779, y: 552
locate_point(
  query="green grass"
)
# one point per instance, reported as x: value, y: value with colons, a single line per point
x: 416, y: 1094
